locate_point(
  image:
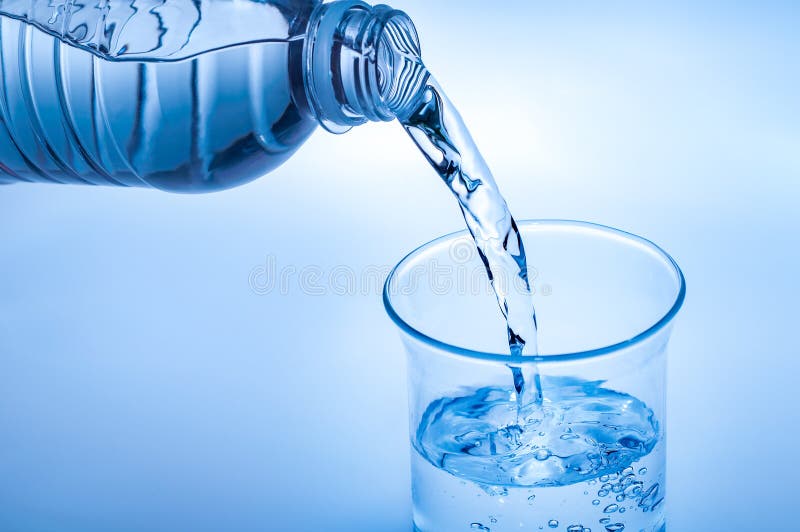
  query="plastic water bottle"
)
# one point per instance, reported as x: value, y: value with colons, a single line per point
x: 190, y: 95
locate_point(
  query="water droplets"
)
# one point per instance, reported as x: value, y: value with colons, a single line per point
x: 626, y: 486
x: 542, y: 454
x: 615, y: 527
x: 495, y: 491
x: 633, y: 489
x: 650, y: 498
x: 552, y: 523
x: 656, y: 504
x: 479, y: 526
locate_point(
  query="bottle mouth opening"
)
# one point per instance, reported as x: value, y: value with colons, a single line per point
x: 361, y: 63
x: 401, y: 73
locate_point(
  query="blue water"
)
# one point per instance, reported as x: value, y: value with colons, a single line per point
x: 184, y: 96
x: 580, y: 431
x: 586, y: 456
x: 442, y: 136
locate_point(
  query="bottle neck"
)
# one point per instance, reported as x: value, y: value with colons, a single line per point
x: 361, y: 64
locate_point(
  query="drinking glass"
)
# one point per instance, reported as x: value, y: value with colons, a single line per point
x: 591, y: 453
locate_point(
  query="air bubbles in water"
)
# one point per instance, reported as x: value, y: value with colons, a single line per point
x: 541, y: 454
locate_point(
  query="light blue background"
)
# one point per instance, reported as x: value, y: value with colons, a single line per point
x: 145, y: 386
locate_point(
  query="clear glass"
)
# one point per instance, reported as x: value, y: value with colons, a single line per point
x: 606, y: 301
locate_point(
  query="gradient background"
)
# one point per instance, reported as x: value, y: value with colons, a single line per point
x: 145, y: 386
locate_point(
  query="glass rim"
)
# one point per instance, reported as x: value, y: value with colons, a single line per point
x: 472, y: 354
